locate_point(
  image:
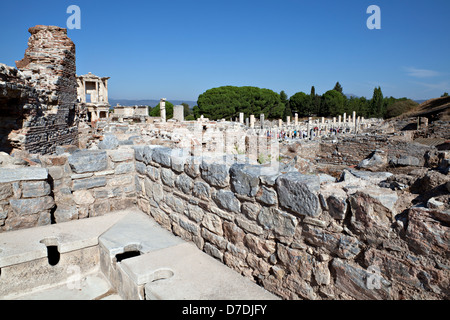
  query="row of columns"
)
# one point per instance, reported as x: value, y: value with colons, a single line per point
x: 352, y: 123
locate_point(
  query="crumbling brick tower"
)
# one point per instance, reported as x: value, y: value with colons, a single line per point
x: 49, y: 67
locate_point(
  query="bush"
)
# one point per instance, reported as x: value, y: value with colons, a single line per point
x: 400, y: 107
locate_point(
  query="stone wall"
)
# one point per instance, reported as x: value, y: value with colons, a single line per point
x: 66, y: 187
x: 299, y: 236
x: 38, y: 100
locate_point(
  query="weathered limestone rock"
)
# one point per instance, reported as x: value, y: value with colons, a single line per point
x: 298, y: 193
x: 162, y: 155
x: 31, y: 206
x: 406, y: 273
x: 355, y: 281
x: 66, y: 213
x: 84, y: 197
x: 23, y: 174
x: 192, y: 166
x: 245, y: 179
x: 376, y: 161
x: 89, y: 183
x: 344, y: 246
x: 121, y: 155
x: 280, y: 222
x: 426, y: 234
x: 297, y: 261
x: 233, y: 233
x: 373, y: 212
x: 215, y: 173
x: 168, y: 177
x: 405, y: 161
x: 227, y: 200
x: 267, y: 196
x: 109, y: 142
x: 184, y: 183
x: 83, y: 161
x: 201, y: 190
x: 6, y: 191
x: 35, y: 189
x: 334, y: 199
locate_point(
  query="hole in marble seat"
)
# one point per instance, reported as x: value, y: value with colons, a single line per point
x: 129, y: 251
x: 53, y: 254
x: 127, y: 255
x: 161, y: 274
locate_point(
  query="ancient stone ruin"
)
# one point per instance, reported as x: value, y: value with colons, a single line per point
x: 38, y: 99
x: 251, y: 209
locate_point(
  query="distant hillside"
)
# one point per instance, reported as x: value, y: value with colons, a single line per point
x: 437, y: 109
x: 149, y: 102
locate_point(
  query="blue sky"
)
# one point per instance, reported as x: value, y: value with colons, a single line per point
x: 179, y: 49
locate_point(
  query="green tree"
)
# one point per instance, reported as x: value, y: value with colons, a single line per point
x: 228, y: 101
x: 338, y: 87
x: 377, y: 104
x: 301, y: 103
x: 285, y: 101
x: 445, y: 94
x: 156, y: 112
x: 187, y: 109
x: 315, y: 101
x: 333, y: 103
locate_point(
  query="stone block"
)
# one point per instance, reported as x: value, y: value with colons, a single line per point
x: 84, y: 197
x: 426, y: 234
x: 168, y: 177
x: 83, y: 161
x: 65, y: 213
x: 126, y: 167
x: 278, y: 221
x: 109, y: 142
x: 23, y: 174
x: 153, y: 173
x: 31, y: 206
x: 192, y: 166
x: 360, y: 283
x: 6, y: 191
x: 88, y: 183
x: 35, y: 189
x: 141, y: 168
x: 267, y: 196
x: 122, y: 155
x: 184, y: 183
x: 163, y: 156
x: 245, y: 179
x: 201, y: 190
x: 298, y: 192
x: 215, y: 173
x: 56, y: 172
x: 213, y: 223
x: 227, y: 200
x: 344, y: 246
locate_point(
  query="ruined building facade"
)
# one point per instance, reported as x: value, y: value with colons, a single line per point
x: 38, y: 100
x: 92, y: 91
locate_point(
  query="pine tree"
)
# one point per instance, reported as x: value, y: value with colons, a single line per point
x: 377, y: 103
x: 338, y: 87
